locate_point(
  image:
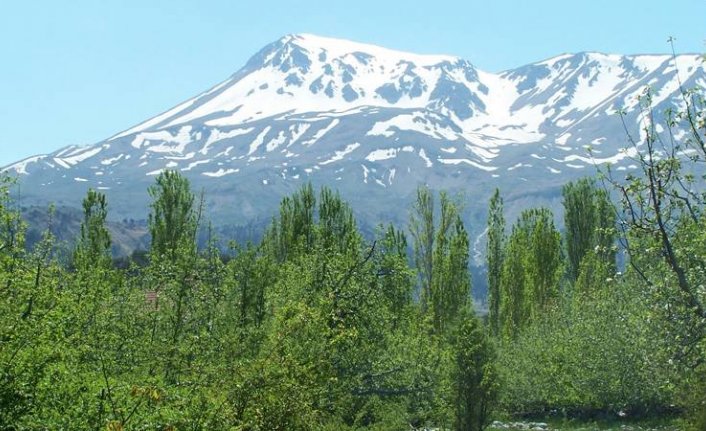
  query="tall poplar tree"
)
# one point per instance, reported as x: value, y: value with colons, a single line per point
x: 422, y: 230
x: 173, y: 222
x: 512, y: 304
x: 494, y: 256
x: 173, y: 218
x: 441, y: 256
x: 531, y: 269
x: 93, y: 246
x: 544, y: 259
x: 589, y: 219
x: 475, y: 386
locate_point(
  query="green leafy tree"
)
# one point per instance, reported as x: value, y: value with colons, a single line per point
x: 173, y: 218
x: 342, y: 346
x: 474, y: 378
x: 513, y: 307
x: 530, y: 279
x: 32, y: 327
x: 93, y: 246
x: 452, y: 292
x: 663, y: 222
x: 337, y: 229
x: 12, y: 234
x: 393, y: 269
x: 173, y: 223
x: 293, y: 232
x: 422, y: 228
x: 251, y: 272
x: 592, y: 354
x: 544, y: 259
x: 494, y: 256
x: 589, y: 219
x: 661, y: 202
x: 441, y: 256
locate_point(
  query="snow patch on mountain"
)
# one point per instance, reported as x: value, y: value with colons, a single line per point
x: 259, y: 140
x: 424, y: 157
x: 21, y: 166
x: 192, y: 165
x: 387, y: 153
x: 166, y: 142
x: 415, y: 122
x: 221, y: 172
x: 276, y: 142
x: 341, y: 154
x: 320, y: 134
x: 599, y: 85
x: 79, y: 156
x: 340, y: 48
x: 217, y: 135
x: 467, y: 162
x: 297, y: 131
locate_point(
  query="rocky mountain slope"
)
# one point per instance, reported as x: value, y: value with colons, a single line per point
x: 374, y: 123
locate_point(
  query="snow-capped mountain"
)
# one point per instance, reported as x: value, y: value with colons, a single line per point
x: 373, y: 123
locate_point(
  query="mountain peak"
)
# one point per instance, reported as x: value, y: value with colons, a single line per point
x: 310, y: 76
x: 301, y: 73
x: 328, y: 48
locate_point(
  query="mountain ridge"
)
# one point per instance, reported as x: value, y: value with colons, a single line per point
x: 374, y: 125
x: 285, y: 40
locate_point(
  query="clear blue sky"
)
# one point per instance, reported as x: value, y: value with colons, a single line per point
x: 78, y: 71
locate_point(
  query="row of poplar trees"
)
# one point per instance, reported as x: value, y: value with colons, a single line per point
x: 526, y: 269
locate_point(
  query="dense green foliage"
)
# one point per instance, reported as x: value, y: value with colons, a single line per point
x: 317, y: 328
x: 441, y: 253
x: 589, y: 218
x: 474, y: 379
x: 313, y: 328
x: 531, y: 271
